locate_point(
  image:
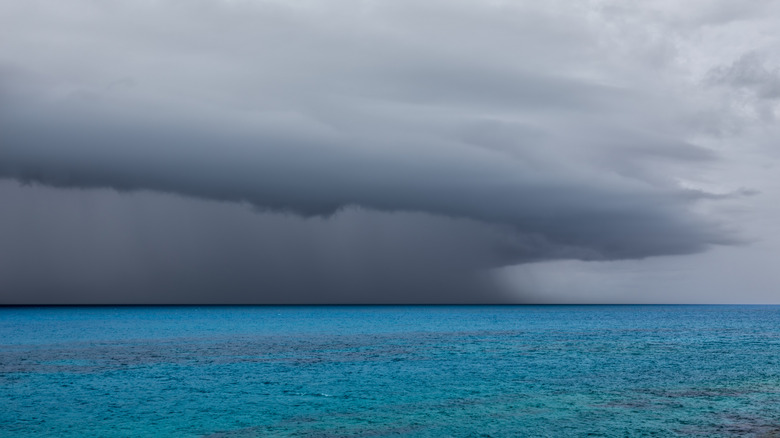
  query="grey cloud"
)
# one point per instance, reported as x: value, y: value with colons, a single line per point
x: 604, y: 217
x: 749, y: 73
x: 519, y: 118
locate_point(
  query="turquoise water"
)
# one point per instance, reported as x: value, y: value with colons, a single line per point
x: 390, y: 371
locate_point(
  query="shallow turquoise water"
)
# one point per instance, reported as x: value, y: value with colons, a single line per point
x: 390, y: 371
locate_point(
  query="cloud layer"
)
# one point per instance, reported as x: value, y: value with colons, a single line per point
x: 558, y: 127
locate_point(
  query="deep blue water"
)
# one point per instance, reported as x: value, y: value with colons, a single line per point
x: 390, y: 371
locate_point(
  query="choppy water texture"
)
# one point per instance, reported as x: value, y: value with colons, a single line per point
x: 390, y: 371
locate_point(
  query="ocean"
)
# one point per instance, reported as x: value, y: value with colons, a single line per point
x: 427, y: 371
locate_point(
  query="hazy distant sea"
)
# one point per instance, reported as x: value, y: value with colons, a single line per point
x: 552, y: 371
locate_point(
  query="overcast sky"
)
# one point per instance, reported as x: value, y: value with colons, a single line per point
x: 389, y: 151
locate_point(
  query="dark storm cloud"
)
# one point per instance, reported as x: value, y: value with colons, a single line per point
x: 489, y: 135
x: 315, y: 175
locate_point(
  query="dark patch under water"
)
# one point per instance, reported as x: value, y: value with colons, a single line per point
x: 391, y: 371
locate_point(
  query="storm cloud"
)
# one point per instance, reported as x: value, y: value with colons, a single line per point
x: 423, y: 144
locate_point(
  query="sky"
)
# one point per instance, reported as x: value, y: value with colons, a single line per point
x: 389, y: 151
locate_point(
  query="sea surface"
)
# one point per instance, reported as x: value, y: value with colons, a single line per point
x: 527, y: 371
